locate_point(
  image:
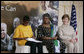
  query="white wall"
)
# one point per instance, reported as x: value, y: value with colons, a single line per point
x: 65, y: 7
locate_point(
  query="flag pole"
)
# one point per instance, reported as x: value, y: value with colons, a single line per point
x: 64, y: 9
x: 73, y: 3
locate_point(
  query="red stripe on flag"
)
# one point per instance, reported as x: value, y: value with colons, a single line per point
x: 76, y: 35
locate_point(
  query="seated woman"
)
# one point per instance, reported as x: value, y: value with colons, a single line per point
x: 24, y: 31
x: 4, y: 38
x: 44, y: 34
x: 67, y: 34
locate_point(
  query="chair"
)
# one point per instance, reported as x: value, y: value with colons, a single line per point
x: 45, y: 49
x: 21, y: 49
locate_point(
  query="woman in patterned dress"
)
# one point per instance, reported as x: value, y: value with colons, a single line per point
x: 44, y: 32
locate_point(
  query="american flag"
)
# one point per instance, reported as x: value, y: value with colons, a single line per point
x: 73, y: 21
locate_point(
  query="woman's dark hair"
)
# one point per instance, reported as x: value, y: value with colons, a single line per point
x: 47, y: 15
x: 26, y: 18
x: 65, y: 16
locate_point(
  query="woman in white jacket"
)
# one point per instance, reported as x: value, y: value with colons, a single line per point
x: 66, y: 32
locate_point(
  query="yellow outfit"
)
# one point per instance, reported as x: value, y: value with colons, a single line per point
x: 21, y: 32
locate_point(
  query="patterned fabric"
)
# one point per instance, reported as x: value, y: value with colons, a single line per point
x: 52, y: 34
x: 11, y: 42
x: 62, y: 47
x: 62, y: 44
x: 5, y: 43
x: 42, y: 32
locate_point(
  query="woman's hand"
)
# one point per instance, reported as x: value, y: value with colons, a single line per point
x: 34, y: 37
x: 25, y: 38
x: 47, y: 38
x: 54, y: 38
x: 72, y: 40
